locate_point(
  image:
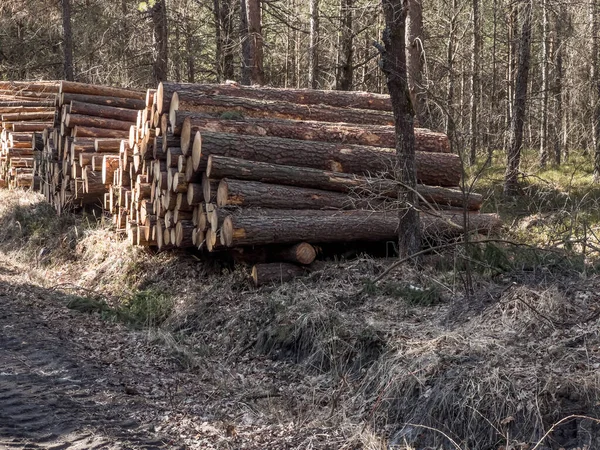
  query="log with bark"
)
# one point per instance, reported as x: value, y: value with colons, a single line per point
x: 86, y: 131
x: 72, y: 120
x: 262, y: 227
x: 374, y: 135
x: 436, y: 169
x: 73, y: 87
x: 234, y: 107
x: 107, y: 112
x: 340, y: 99
x: 276, y: 196
x: 219, y: 167
x: 117, y: 102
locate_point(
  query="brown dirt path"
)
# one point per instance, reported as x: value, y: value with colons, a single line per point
x: 63, y: 381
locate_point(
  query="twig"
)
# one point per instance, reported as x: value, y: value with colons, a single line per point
x: 561, y: 421
x: 453, y: 244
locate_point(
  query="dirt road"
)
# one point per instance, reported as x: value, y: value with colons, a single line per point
x: 63, y: 380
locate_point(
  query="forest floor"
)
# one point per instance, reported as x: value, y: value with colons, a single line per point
x: 496, y: 346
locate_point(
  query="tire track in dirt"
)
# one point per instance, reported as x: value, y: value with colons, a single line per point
x: 51, y: 395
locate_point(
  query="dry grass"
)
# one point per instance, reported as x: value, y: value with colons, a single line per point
x: 329, y: 363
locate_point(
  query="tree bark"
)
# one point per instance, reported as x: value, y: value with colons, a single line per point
x: 160, y: 35
x: 376, y: 136
x: 341, y: 99
x: 220, y: 167
x: 345, y: 70
x: 256, y: 194
x: 233, y: 107
x: 394, y: 66
x: 262, y: 227
x: 313, y: 51
x: 595, y: 82
x: 223, y: 13
x: 436, y: 169
x: 117, y: 102
x: 72, y: 87
x: 474, y: 94
x: 67, y: 40
x: 72, y: 120
x: 511, y: 184
x: 85, y: 131
x: 415, y: 60
x: 252, y: 43
x: 108, y: 112
x: 545, y: 88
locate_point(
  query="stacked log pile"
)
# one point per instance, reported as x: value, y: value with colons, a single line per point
x: 26, y: 109
x: 267, y: 172
x: 85, y: 155
x: 247, y: 168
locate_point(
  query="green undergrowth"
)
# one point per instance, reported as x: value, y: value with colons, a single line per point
x: 144, y: 309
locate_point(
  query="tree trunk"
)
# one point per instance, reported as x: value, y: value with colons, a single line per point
x: 474, y: 94
x: 313, y: 51
x: 224, y: 13
x: 160, y: 33
x: 595, y: 82
x: 262, y: 227
x: 415, y: 60
x: 376, y: 136
x: 394, y: 67
x: 252, y: 43
x: 67, y: 40
x: 545, y: 88
x: 561, y: 128
x: 436, y: 169
x: 345, y: 71
x: 511, y: 184
x: 222, y: 167
x: 233, y: 107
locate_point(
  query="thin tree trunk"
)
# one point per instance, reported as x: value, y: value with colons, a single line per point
x: 313, y: 53
x: 415, y: 60
x: 252, y: 43
x: 476, y: 47
x: 160, y: 31
x: 189, y: 49
x: 346, y: 48
x: 558, y: 89
x: 450, y: 50
x: 595, y: 80
x: 492, y: 127
x: 68, y: 40
x: 511, y: 186
x: 394, y: 66
x: 545, y: 88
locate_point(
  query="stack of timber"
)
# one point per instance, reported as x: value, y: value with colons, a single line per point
x: 86, y: 155
x: 265, y: 172
x: 26, y: 110
x: 237, y: 167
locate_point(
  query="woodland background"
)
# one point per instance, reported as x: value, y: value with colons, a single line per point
x: 467, y: 52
